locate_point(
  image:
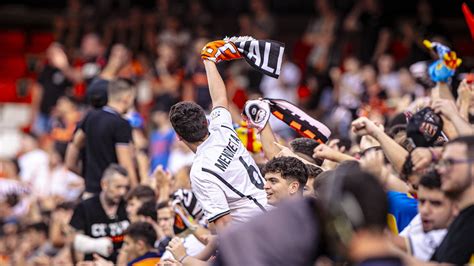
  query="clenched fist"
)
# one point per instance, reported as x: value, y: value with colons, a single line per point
x: 218, y: 51
x: 363, y: 126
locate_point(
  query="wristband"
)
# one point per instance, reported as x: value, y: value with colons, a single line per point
x: 182, y: 258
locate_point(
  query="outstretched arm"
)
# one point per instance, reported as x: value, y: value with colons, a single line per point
x: 217, y: 87
x: 449, y: 111
x: 395, y: 153
x: 270, y: 149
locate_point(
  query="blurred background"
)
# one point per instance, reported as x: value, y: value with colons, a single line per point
x: 367, y: 44
x: 343, y: 59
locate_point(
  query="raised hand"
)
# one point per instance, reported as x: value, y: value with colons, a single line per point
x: 363, y: 126
x: 176, y: 247
x: 218, y: 51
x: 445, y: 107
x: 323, y: 151
x: 119, y: 56
x: 162, y: 177
x: 421, y: 158
x: 57, y: 57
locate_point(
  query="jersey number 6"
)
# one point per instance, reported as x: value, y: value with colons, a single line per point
x: 254, y: 175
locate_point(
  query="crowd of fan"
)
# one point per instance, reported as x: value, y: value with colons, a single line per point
x: 354, y: 72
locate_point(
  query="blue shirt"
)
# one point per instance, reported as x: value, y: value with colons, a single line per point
x: 160, y: 147
x: 402, y: 207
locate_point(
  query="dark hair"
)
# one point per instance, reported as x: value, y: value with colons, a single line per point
x: 114, y: 169
x: 305, y: 146
x: 39, y: 227
x: 407, y: 168
x: 351, y: 200
x: 397, y: 124
x: 289, y: 168
x: 320, y: 180
x: 370, y: 196
x: 97, y: 92
x: 162, y: 205
x: 466, y: 140
x: 431, y: 180
x: 67, y: 205
x: 142, y: 193
x: 142, y: 231
x: 148, y: 209
x: 117, y: 87
x: 189, y: 121
x: 313, y: 170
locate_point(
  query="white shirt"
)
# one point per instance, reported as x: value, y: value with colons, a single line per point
x: 191, y: 244
x: 422, y: 244
x: 34, y: 170
x: 224, y: 177
x: 65, y: 183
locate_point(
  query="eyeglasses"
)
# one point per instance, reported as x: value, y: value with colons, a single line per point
x: 449, y: 162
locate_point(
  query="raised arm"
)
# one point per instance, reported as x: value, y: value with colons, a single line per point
x: 442, y: 91
x: 395, y: 153
x: 449, y: 112
x: 270, y: 149
x: 217, y: 87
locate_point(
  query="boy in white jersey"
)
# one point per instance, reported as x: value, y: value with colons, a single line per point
x: 224, y: 177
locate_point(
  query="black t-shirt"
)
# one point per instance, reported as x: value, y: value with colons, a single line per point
x: 90, y: 218
x: 54, y: 85
x: 104, y: 129
x: 458, y: 245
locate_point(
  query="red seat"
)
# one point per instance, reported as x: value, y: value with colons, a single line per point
x: 7, y: 90
x: 12, y: 67
x: 12, y: 42
x: 39, y: 42
x: 13, y: 91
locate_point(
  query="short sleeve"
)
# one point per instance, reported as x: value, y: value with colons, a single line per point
x: 123, y: 133
x: 78, y: 219
x: 220, y: 117
x: 82, y: 123
x: 211, y: 197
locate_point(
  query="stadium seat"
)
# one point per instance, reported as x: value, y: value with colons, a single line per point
x: 12, y: 67
x: 8, y: 91
x: 14, y: 91
x: 12, y: 42
x: 39, y: 42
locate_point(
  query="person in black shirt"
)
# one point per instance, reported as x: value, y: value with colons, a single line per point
x: 106, y: 136
x: 457, y: 177
x: 100, y: 222
x: 53, y: 84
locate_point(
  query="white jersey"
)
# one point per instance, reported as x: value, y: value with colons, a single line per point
x: 224, y: 177
x: 422, y: 244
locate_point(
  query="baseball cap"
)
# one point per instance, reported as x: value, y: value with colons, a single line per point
x: 97, y: 92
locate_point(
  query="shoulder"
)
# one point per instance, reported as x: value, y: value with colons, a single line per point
x: 218, y: 111
x: 122, y: 121
x: 196, y: 168
x: 91, y: 202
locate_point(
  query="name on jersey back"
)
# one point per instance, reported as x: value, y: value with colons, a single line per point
x: 225, y: 158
